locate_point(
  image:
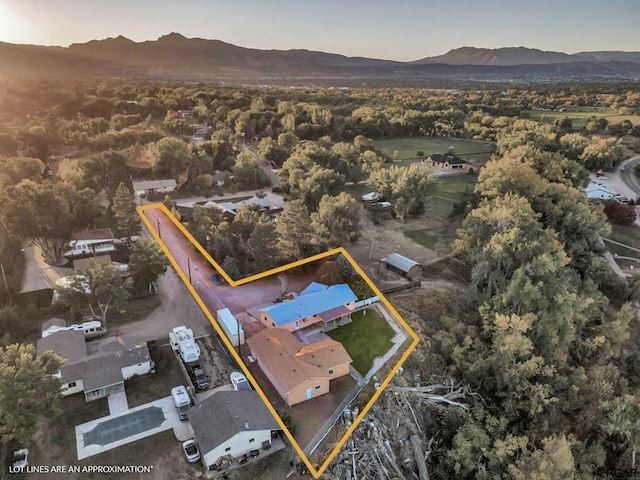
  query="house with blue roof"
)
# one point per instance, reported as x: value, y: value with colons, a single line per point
x: 328, y: 306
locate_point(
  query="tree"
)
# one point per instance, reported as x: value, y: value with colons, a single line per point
x: 247, y: 172
x: 15, y: 169
x: 200, y: 225
x: 622, y: 421
x: 319, y: 181
x: 230, y: 266
x: 245, y: 221
x: 263, y: 246
x: 124, y: 212
x: 29, y: 391
x: 47, y: 213
x: 146, y: 262
x: 98, y: 286
x: 106, y: 170
x: 296, y: 238
x: 339, y: 217
x: 406, y: 188
x: 602, y: 153
x: 169, y: 156
x: 620, y: 213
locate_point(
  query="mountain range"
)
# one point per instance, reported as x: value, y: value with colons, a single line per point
x: 173, y: 56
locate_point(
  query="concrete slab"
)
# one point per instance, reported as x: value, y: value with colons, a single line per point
x: 118, y: 403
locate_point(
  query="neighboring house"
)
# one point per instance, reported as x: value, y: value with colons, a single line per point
x: 269, y: 204
x: 97, y: 375
x: 91, y: 242
x: 298, y: 371
x: 231, y: 423
x: 331, y: 306
x: 145, y: 187
x: 403, y: 266
x: 446, y: 161
x: 598, y: 191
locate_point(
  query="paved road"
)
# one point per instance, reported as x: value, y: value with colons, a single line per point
x: 626, y: 175
x: 195, y: 267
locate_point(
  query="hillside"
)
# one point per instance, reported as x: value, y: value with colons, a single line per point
x: 173, y: 56
x: 523, y: 56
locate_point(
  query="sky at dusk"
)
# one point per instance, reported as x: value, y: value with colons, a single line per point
x: 389, y: 29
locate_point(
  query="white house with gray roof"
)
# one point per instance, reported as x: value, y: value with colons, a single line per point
x: 97, y: 375
x: 231, y: 423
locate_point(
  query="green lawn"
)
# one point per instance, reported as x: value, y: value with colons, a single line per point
x: 368, y: 336
x: 627, y: 234
x: 580, y: 115
x: 424, y: 236
x: 475, y: 151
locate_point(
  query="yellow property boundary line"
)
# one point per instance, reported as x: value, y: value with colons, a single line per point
x: 315, y: 472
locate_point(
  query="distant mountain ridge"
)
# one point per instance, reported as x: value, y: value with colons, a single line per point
x: 523, y: 56
x: 174, y: 56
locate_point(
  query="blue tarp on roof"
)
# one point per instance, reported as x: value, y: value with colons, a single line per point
x: 309, y: 304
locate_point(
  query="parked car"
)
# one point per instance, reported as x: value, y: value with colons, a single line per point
x: 198, y: 377
x: 621, y: 198
x: 239, y: 382
x: 602, y: 177
x: 20, y: 458
x: 191, y: 451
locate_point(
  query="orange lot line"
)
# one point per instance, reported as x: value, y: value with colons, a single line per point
x: 316, y: 472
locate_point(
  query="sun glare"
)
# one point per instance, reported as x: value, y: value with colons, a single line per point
x: 10, y: 28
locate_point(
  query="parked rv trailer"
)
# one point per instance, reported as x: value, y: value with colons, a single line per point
x: 232, y: 328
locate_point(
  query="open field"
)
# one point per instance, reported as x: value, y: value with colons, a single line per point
x: 579, y: 115
x: 432, y: 230
x: 627, y: 234
x: 474, y: 151
x: 438, y: 232
x: 368, y: 336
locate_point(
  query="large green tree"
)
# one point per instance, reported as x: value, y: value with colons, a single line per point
x: 338, y: 219
x: 263, y: 244
x: 407, y: 188
x: 296, y: 237
x: 124, y: 212
x: 147, y: 262
x: 47, y: 213
x: 98, y: 286
x: 29, y: 391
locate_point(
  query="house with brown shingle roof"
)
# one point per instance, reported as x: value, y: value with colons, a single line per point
x: 297, y: 371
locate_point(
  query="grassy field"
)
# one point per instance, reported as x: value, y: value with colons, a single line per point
x: 627, y: 234
x: 433, y: 230
x: 475, y: 151
x: 368, y: 336
x: 438, y: 208
x: 579, y: 115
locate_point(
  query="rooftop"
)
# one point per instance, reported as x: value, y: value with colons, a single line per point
x: 319, y: 299
x: 291, y: 362
x: 399, y: 261
x: 69, y: 344
x: 226, y: 413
